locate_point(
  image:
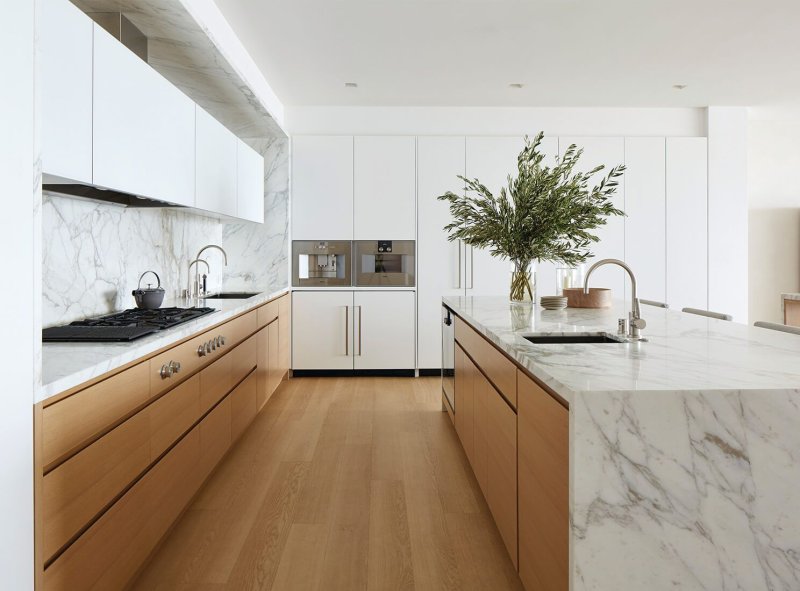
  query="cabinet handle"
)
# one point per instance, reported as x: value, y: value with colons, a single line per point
x: 346, y: 331
x: 471, y: 268
x: 359, y: 331
x: 459, y: 265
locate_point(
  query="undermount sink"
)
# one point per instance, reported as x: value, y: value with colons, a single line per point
x: 231, y: 295
x: 561, y: 339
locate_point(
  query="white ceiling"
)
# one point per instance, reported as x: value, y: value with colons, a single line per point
x: 565, y: 52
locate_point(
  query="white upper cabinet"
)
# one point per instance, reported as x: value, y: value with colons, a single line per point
x: 645, y: 204
x: 384, y: 188
x: 250, y: 184
x: 440, y: 262
x: 609, y: 151
x: 66, y: 92
x: 215, y: 165
x: 322, y: 188
x: 144, y: 127
x: 687, y: 219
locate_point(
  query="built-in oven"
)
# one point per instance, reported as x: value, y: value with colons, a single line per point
x: 389, y: 263
x: 449, y: 357
x: 319, y: 263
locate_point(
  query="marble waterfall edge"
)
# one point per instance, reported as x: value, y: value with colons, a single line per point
x: 93, y: 252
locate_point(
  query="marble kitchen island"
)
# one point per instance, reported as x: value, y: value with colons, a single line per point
x: 683, y: 450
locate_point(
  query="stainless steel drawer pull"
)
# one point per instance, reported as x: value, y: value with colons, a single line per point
x: 347, y: 330
x: 166, y: 371
x: 359, y: 331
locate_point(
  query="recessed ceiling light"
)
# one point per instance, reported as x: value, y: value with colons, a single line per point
x: 679, y: 86
x: 516, y: 85
x: 350, y: 85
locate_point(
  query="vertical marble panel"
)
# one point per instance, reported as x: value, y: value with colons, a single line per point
x: 261, y: 251
x: 695, y: 490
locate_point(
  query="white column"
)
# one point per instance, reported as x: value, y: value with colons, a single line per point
x: 20, y: 347
x: 727, y: 211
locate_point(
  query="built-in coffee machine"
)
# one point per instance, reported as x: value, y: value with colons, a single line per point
x: 384, y: 263
x: 321, y: 263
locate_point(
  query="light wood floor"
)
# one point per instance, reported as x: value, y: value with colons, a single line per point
x: 339, y: 484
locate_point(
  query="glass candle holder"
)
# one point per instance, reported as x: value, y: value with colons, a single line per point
x: 568, y: 277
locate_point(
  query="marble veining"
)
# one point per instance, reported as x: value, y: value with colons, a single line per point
x: 94, y: 252
x: 684, y: 451
x: 66, y: 365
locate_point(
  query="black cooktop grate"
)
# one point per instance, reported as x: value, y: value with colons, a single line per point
x: 122, y: 326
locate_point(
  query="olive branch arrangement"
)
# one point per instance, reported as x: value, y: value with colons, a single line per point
x: 543, y: 214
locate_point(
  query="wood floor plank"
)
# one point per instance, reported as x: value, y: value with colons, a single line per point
x: 382, y: 497
x: 390, y: 565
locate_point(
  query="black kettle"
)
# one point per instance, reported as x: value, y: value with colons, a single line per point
x: 149, y: 298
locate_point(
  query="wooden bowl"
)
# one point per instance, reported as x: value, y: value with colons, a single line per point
x: 598, y: 297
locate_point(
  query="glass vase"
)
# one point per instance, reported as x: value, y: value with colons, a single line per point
x: 523, y: 283
x: 568, y: 277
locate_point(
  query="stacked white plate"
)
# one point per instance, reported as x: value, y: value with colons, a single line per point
x: 553, y: 302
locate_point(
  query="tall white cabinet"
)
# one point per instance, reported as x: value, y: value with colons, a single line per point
x: 687, y: 222
x: 384, y: 188
x: 215, y: 165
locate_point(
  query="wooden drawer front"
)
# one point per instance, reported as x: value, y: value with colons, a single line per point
x: 72, y: 421
x: 268, y: 312
x: 498, y: 368
x: 244, y: 359
x: 464, y: 394
x: 284, y: 330
x: 81, y: 487
x: 215, y: 382
x: 262, y: 372
x: 173, y: 414
x: 110, y: 552
x: 501, y: 437
x: 243, y: 406
x: 215, y: 436
x: 543, y: 488
x: 187, y: 353
x: 275, y: 374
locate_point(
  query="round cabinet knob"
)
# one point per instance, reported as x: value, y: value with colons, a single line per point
x: 219, y: 341
x: 166, y: 371
x: 176, y: 366
x: 201, y: 351
x: 213, y: 344
x: 208, y: 347
x: 222, y: 340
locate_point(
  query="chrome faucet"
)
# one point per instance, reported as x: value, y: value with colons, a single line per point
x: 200, y: 289
x: 635, y: 322
x: 194, y: 287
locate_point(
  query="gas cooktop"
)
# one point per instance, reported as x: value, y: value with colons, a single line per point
x: 122, y: 326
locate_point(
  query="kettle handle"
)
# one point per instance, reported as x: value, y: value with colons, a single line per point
x: 142, y: 277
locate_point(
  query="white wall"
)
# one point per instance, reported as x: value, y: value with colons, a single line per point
x: 774, y: 209
x: 19, y: 351
x: 495, y: 121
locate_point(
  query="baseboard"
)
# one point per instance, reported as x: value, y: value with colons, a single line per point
x: 320, y: 373
x: 430, y: 372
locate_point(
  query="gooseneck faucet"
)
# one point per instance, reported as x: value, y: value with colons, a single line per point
x: 200, y: 290
x: 635, y: 322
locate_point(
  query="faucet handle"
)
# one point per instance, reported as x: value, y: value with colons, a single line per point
x: 639, y: 323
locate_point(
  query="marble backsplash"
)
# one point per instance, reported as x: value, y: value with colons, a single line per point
x: 94, y: 252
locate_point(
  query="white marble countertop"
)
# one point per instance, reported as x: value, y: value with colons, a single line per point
x: 683, y: 351
x: 66, y: 365
x: 684, y: 451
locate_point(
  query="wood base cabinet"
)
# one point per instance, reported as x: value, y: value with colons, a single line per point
x: 543, y: 488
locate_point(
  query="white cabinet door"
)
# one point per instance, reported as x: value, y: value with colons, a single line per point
x: 66, y: 92
x: 687, y: 229
x: 143, y: 132
x: 215, y: 165
x: 384, y: 188
x: 440, y: 262
x: 491, y: 160
x: 645, y: 204
x: 384, y: 330
x: 250, y: 184
x: 322, y: 187
x: 322, y: 330
x: 609, y: 151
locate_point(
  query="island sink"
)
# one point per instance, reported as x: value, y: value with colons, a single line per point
x: 561, y: 339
